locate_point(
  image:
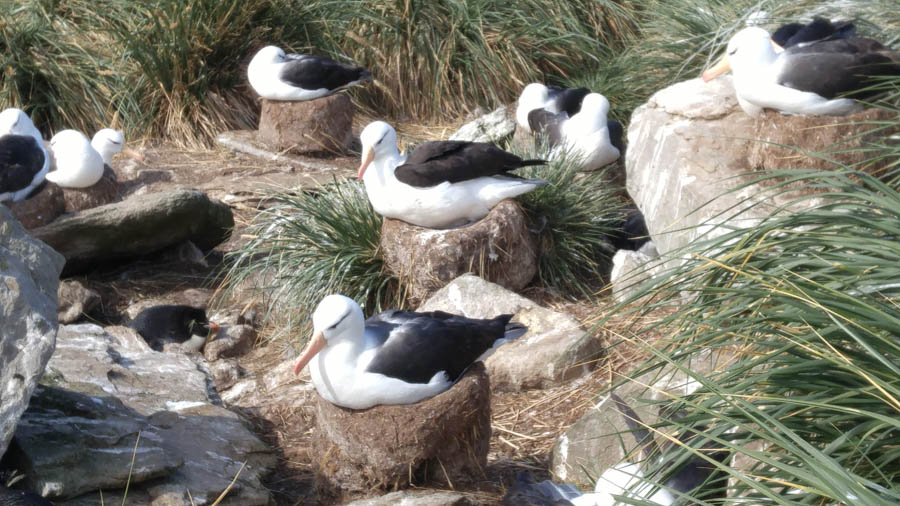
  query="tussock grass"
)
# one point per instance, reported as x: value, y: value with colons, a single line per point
x: 806, y: 302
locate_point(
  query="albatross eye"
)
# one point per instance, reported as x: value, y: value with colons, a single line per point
x: 731, y: 53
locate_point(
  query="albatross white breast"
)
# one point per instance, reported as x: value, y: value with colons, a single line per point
x: 394, y: 357
x: 23, y: 160
x: 79, y: 163
x: 803, y: 79
x: 441, y: 184
x: 278, y: 76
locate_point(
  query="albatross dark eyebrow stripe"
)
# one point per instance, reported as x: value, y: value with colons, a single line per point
x: 339, y: 321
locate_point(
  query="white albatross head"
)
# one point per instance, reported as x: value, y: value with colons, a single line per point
x: 268, y: 54
x: 108, y: 142
x: 14, y: 121
x: 534, y: 96
x: 747, y: 51
x: 378, y: 139
x: 336, y: 318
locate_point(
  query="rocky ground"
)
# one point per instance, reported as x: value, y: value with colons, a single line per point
x: 524, y: 425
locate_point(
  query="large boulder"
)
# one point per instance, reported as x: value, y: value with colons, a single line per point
x: 493, y: 127
x: 29, y: 279
x: 553, y: 351
x: 692, y: 142
x: 137, y: 226
x: 311, y: 126
x: 107, y: 398
x: 444, y: 438
x: 499, y: 248
x: 600, y: 439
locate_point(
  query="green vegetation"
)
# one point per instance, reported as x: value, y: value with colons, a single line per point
x: 806, y: 305
x: 176, y: 69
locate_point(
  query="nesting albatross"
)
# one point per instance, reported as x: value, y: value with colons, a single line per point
x: 803, y: 79
x: 441, y: 184
x: 394, y: 357
x: 553, y: 99
x: 80, y: 163
x: 23, y: 160
x: 295, y: 77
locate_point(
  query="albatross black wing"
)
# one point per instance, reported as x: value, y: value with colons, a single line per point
x: 547, y: 125
x: 316, y: 72
x: 567, y: 100
x: 840, y: 67
x: 435, y: 162
x: 20, y: 160
x: 422, y: 344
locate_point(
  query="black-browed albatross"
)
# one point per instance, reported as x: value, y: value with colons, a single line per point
x: 553, y: 99
x: 441, y: 184
x: 803, y: 79
x: 23, y: 160
x: 394, y: 357
x: 295, y: 77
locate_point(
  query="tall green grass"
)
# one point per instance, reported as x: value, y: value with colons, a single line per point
x: 807, y: 304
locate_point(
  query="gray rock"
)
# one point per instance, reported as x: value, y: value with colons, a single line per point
x: 499, y: 248
x: 225, y: 373
x: 494, y: 127
x: 600, y: 438
x: 691, y: 142
x: 137, y: 226
x: 311, y: 126
x: 115, y: 382
x: 75, y: 300
x: 630, y: 269
x: 445, y: 438
x: 416, y: 498
x: 555, y: 350
x: 29, y: 280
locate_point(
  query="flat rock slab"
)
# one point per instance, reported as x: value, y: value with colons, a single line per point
x: 29, y: 280
x: 554, y: 350
x: 444, y: 438
x: 113, y: 387
x: 692, y: 142
x: 499, y: 248
x: 137, y: 226
x: 416, y: 498
x: 494, y: 127
x: 323, y: 125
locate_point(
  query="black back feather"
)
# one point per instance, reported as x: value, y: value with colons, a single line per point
x: 435, y: 162
x: 163, y: 324
x: 21, y: 159
x: 315, y: 72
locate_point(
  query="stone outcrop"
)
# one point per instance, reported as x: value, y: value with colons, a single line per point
x: 600, y: 439
x: 137, y: 226
x: 75, y: 300
x: 692, y: 142
x: 444, y: 438
x: 554, y: 350
x: 630, y: 269
x: 493, y: 127
x: 499, y: 248
x: 107, y: 397
x: 312, y: 126
x: 29, y: 279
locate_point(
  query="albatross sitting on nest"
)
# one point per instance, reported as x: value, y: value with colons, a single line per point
x: 803, y: 79
x: 441, y: 184
x: 79, y: 163
x: 394, y: 357
x: 278, y: 76
x: 23, y: 160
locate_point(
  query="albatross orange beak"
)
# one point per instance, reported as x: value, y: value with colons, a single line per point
x: 213, y: 332
x: 716, y: 70
x: 133, y: 154
x: 316, y: 343
x: 368, y: 156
